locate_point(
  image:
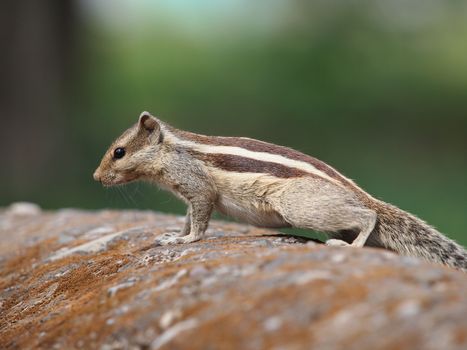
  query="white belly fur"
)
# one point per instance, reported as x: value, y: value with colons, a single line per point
x: 248, y: 197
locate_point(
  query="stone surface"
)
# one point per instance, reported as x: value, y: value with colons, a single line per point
x: 76, y: 279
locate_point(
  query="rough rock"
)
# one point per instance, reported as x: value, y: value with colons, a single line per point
x: 94, y: 280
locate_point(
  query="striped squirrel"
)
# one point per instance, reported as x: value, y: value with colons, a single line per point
x: 265, y: 185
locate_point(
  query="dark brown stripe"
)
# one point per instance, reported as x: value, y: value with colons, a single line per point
x: 261, y: 146
x: 240, y: 164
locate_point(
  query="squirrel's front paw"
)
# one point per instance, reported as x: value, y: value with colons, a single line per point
x: 175, y: 238
x: 167, y: 238
x: 337, y: 243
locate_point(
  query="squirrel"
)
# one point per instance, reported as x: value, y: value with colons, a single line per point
x: 265, y: 185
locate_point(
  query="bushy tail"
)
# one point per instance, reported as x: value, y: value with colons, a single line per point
x: 406, y: 234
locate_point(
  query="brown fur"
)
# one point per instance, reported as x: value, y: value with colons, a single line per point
x: 261, y: 146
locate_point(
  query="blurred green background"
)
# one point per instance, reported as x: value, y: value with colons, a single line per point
x: 377, y: 89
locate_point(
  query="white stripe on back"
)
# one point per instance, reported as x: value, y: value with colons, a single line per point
x: 242, y: 152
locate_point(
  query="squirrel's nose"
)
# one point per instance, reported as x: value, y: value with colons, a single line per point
x: 96, y: 176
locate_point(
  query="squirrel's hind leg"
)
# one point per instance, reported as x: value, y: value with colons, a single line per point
x: 323, y: 206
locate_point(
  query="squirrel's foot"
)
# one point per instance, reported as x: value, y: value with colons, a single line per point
x: 174, y: 234
x: 176, y: 238
x: 337, y: 243
x: 166, y: 237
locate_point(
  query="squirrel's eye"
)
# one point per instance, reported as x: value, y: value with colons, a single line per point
x: 119, y: 152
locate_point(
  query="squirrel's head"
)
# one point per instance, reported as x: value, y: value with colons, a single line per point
x: 128, y: 156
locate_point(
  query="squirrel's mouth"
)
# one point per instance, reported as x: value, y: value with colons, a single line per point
x: 118, y: 180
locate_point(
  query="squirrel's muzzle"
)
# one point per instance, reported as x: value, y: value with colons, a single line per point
x: 97, y: 176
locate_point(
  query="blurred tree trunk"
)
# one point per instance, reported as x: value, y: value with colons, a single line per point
x: 36, y: 48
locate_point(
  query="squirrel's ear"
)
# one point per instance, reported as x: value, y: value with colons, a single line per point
x: 148, y: 122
